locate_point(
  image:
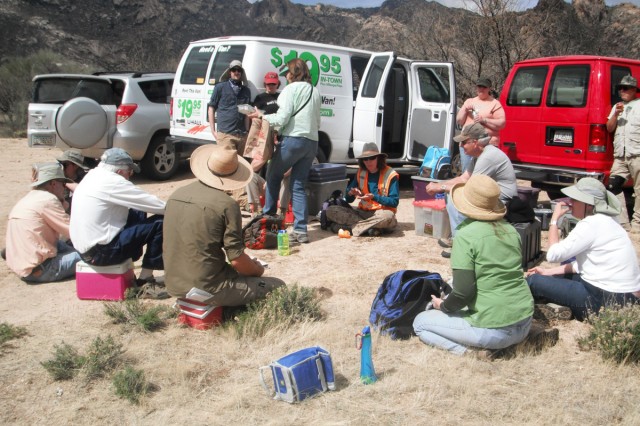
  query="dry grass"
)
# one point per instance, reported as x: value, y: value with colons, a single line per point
x: 211, y: 377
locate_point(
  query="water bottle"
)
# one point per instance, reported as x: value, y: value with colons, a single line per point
x: 283, y: 243
x: 363, y: 342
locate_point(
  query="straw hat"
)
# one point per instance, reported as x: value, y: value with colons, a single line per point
x: 221, y: 168
x: 478, y: 198
x: 43, y: 173
x: 369, y: 150
x: 592, y: 191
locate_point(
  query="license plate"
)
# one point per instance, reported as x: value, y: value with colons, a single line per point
x: 564, y: 137
x: 43, y: 140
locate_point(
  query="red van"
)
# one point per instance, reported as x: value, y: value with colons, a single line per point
x: 556, y: 111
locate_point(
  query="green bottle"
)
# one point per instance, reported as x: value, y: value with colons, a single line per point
x: 283, y: 243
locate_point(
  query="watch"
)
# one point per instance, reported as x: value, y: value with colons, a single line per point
x: 553, y: 223
x: 443, y: 187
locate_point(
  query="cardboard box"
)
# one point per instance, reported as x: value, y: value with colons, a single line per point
x: 431, y: 222
x: 318, y: 192
x: 104, y: 282
x: 198, y: 315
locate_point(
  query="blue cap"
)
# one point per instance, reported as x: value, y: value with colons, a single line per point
x: 119, y: 157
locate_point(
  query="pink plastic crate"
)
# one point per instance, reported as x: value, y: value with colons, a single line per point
x: 103, y: 282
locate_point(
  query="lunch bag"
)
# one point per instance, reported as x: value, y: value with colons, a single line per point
x: 300, y: 375
x: 262, y: 232
x: 436, y: 163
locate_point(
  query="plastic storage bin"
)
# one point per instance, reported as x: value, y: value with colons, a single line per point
x: 198, y: 315
x: 420, y: 187
x: 544, y: 217
x: 431, y: 222
x: 529, y: 195
x: 318, y: 192
x: 104, y: 282
x: 326, y: 172
x: 530, y: 234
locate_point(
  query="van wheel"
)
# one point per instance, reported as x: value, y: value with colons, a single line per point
x: 160, y: 162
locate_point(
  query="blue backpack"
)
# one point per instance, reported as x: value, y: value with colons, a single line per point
x: 436, y: 163
x: 401, y: 297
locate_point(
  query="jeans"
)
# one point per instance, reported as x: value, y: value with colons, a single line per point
x: 57, y: 268
x: 455, y: 334
x: 298, y: 154
x: 572, y: 291
x: 455, y: 217
x: 137, y: 232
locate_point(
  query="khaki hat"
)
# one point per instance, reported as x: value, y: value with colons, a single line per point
x: 234, y: 64
x: 472, y: 131
x: 627, y: 80
x: 478, y: 198
x: 73, y: 156
x: 591, y: 191
x: 44, y: 172
x: 483, y: 81
x: 220, y: 167
x: 369, y: 150
x: 119, y: 157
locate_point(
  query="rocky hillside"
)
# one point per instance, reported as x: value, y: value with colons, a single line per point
x: 151, y: 34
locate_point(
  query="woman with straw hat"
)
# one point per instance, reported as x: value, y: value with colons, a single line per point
x: 487, y: 278
x: 605, y: 269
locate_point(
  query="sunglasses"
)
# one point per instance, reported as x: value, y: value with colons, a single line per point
x: 236, y: 70
x: 625, y: 88
x: 370, y: 158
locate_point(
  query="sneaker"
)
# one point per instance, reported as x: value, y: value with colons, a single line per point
x: 551, y: 311
x: 445, y: 242
x: 446, y: 254
x: 300, y: 237
x: 152, y: 291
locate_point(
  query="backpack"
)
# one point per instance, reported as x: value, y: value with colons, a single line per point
x: 262, y: 232
x: 436, y: 163
x: 335, y: 199
x: 401, y: 297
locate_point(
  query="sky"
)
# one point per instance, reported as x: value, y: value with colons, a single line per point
x: 526, y: 4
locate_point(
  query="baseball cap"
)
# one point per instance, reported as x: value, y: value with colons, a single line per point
x: 119, y: 157
x: 472, y: 131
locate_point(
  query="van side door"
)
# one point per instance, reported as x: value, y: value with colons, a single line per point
x: 369, y: 105
x: 432, y: 117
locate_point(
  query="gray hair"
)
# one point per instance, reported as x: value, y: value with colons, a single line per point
x: 484, y: 141
x: 112, y: 167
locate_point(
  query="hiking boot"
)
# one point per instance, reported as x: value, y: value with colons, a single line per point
x: 152, y: 291
x: 551, y: 311
x: 446, y: 254
x: 334, y: 227
x: 445, y: 242
x: 300, y: 237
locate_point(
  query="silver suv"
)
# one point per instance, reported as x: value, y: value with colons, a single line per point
x: 96, y: 112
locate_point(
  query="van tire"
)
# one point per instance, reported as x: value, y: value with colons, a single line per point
x: 160, y: 161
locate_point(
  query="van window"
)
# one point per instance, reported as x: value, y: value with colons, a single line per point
x: 617, y: 72
x: 434, y: 84
x: 224, y: 56
x: 358, y: 65
x: 375, y: 75
x: 195, y: 67
x: 526, y: 86
x: 569, y: 86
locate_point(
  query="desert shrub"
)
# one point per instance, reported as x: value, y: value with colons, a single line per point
x: 136, y: 313
x: 130, y: 384
x: 282, y: 308
x: 65, y: 364
x: 615, y: 333
x: 102, y: 357
x: 10, y: 332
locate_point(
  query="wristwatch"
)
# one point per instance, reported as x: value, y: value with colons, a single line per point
x: 443, y: 187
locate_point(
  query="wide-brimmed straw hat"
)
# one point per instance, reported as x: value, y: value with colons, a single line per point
x: 369, y: 150
x: 478, y: 198
x: 234, y: 64
x: 44, y: 172
x: 220, y: 167
x: 591, y: 191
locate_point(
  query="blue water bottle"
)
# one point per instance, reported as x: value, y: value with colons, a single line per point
x: 363, y: 342
x: 283, y: 243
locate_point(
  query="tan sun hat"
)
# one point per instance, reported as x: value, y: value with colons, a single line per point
x: 44, y: 172
x: 478, y: 198
x: 234, y: 64
x: 369, y: 150
x: 73, y: 156
x: 220, y: 167
x: 591, y: 191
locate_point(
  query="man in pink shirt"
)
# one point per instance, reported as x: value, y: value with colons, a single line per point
x: 34, y: 250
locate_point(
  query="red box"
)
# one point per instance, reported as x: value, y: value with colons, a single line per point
x: 104, y: 282
x: 197, y: 314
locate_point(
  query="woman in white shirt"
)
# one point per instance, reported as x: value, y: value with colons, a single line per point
x: 605, y: 270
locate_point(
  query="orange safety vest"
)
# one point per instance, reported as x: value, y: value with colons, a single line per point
x: 384, y: 182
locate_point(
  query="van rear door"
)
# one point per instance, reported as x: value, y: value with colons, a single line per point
x: 369, y: 107
x: 432, y: 118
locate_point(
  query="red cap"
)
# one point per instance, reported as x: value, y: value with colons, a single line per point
x: 271, y: 77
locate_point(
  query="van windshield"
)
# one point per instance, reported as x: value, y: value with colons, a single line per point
x: 569, y: 86
x: 526, y: 87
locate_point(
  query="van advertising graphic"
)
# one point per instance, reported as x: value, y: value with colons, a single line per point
x: 189, y: 107
x: 325, y: 69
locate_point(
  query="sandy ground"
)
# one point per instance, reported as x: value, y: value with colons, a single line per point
x: 212, y: 378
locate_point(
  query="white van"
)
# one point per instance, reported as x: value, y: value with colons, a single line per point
x: 403, y: 106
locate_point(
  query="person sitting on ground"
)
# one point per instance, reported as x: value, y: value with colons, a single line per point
x: 34, y: 248
x: 203, y: 229
x: 605, y: 270
x: 109, y: 221
x: 487, y: 278
x: 487, y: 160
x: 75, y: 168
x: 376, y: 186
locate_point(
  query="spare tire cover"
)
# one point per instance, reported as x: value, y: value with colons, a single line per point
x: 81, y: 122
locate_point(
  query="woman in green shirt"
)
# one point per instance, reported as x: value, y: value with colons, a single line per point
x: 491, y: 305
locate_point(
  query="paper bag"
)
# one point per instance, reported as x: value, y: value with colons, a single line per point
x: 259, y: 146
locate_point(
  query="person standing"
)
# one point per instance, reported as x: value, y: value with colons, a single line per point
x: 624, y: 120
x: 203, y: 229
x: 38, y: 228
x: 298, y: 118
x: 485, y: 110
